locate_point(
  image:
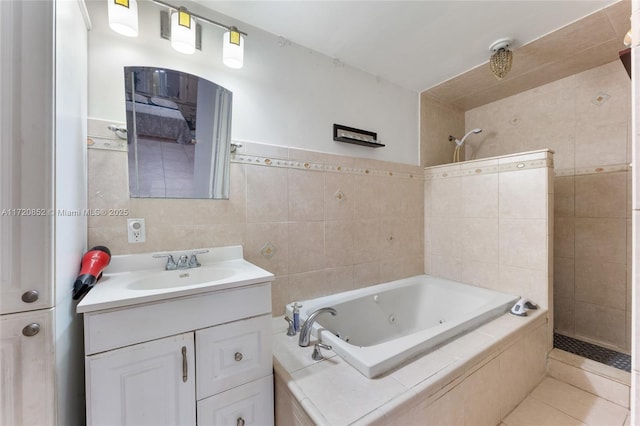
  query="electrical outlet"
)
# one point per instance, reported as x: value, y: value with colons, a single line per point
x: 135, y: 230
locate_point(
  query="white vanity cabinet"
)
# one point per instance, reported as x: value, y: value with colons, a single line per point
x: 162, y: 362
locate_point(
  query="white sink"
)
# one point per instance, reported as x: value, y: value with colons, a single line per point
x: 141, y: 278
x: 182, y: 278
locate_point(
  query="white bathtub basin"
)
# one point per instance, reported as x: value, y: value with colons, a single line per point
x: 380, y: 327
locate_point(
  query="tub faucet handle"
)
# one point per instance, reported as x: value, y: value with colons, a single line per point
x: 291, y: 331
x: 522, y: 306
x: 317, y: 355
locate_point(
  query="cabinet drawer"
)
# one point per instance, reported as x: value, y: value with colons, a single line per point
x: 232, y: 354
x: 247, y: 405
x: 111, y: 329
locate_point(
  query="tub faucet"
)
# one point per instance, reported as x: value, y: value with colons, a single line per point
x: 305, y: 330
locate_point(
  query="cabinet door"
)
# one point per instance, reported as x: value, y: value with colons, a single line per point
x: 26, y: 93
x: 151, y: 383
x: 246, y: 405
x: 26, y: 369
x: 233, y: 354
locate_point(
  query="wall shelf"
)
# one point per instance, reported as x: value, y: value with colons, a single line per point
x: 356, y: 136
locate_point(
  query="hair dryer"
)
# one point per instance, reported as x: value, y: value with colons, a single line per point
x: 93, y: 263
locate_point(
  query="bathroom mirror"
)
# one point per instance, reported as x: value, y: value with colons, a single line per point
x: 178, y: 134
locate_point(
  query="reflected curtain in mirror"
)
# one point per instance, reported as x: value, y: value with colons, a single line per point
x: 179, y: 133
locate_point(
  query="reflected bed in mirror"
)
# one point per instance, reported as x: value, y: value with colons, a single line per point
x: 179, y: 133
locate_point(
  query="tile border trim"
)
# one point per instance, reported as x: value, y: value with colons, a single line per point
x: 593, y: 170
x: 469, y: 170
x: 257, y: 160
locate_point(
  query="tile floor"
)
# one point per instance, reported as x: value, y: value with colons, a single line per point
x: 555, y: 403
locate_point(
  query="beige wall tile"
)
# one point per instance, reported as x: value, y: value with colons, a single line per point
x: 438, y: 120
x: 564, y: 315
x: 337, y: 280
x: 446, y: 411
x: 480, y: 240
x: 339, y: 243
x: 366, y: 274
x: 601, y: 283
x: 107, y: 193
x: 232, y: 210
x: 391, y: 197
x: 280, y: 295
x: 601, y: 324
x: 564, y: 277
x: 366, y: 237
x: 523, y: 243
x: 445, y: 267
x: 601, y: 239
x: 512, y: 377
x: 444, y: 197
x: 412, y: 198
x: 564, y: 236
x: 523, y: 194
x: 218, y: 235
x: 306, y: 195
x: 257, y: 236
x: 443, y: 237
x: 306, y: 285
x: 339, y: 196
x: 480, y: 195
x: 530, y: 283
x: 367, y: 197
x: 267, y: 194
x: 481, y: 407
x: 306, y: 247
x: 601, y: 195
x: 481, y: 274
x: 536, y: 355
x: 564, y: 196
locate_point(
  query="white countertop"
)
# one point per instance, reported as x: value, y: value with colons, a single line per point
x: 114, y: 289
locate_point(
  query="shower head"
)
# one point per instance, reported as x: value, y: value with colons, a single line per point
x: 461, y: 141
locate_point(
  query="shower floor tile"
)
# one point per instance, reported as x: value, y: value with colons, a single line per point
x: 594, y: 352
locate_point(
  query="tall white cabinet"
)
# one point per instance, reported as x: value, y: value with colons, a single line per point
x: 43, y: 80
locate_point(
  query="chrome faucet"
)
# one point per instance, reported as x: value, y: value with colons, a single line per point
x: 183, y: 262
x: 305, y: 330
x: 171, y: 264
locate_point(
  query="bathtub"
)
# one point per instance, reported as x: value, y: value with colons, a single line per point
x: 378, y: 328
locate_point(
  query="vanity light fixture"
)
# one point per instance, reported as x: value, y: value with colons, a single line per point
x: 123, y: 17
x: 233, y: 48
x: 183, y: 31
x: 501, y: 58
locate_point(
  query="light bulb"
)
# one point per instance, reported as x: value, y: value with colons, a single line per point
x: 123, y: 17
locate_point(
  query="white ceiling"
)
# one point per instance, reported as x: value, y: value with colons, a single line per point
x: 415, y: 44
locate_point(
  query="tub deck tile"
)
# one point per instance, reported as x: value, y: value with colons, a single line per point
x: 341, y: 393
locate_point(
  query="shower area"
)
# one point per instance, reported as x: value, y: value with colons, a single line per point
x: 586, y: 120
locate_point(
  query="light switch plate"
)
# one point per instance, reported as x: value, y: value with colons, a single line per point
x: 136, y: 230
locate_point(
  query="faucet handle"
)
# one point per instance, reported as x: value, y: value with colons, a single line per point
x: 171, y: 264
x: 317, y: 355
x: 193, y: 260
x: 291, y: 331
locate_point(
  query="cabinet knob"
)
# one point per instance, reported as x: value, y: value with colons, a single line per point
x: 240, y: 421
x: 31, y: 329
x: 238, y: 357
x: 30, y: 296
